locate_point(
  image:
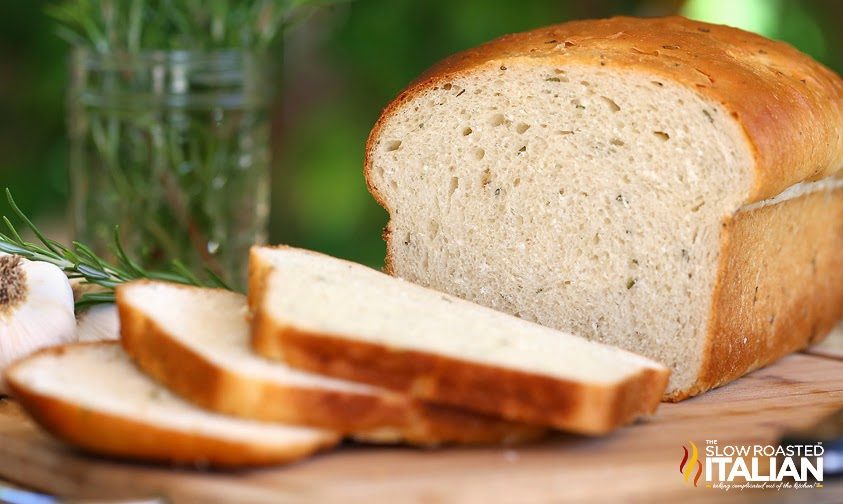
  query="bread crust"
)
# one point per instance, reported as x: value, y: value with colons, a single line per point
x: 789, y: 107
x: 382, y: 417
x: 779, y: 288
x: 121, y: 437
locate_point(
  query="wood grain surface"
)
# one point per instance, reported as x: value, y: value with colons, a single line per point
x: 636, y: 464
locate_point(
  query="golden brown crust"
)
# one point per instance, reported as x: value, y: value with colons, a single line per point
x: 789, y: 106
x: 117, y: 436
x: 387, y: 262
x: 579, y: 407
x: 780, y: 286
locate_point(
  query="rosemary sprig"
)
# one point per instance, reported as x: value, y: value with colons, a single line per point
x: 137, y: 25
x: 79, y: 261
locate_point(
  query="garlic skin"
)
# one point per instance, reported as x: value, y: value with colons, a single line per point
x: 98, y: 323
x: 36, y: 309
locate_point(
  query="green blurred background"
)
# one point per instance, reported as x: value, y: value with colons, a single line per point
x: 341, y: 67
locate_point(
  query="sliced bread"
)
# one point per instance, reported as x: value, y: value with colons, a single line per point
x: 196, y: 342
x: 663, y: 185
x: 91, y: 396
x: 346, y: 320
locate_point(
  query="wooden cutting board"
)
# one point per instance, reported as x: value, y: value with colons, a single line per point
x: 639, y: 463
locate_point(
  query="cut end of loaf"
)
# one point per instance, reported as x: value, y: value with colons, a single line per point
x: 583, y: 197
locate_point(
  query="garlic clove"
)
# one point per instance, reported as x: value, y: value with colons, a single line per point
x: 36, y: 309
x: 49, y: 288
x: 98, y: 323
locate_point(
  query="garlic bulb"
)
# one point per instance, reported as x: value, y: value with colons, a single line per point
x: 98, y: 323
x: 36, y: 308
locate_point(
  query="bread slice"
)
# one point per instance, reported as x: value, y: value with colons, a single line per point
x: 91, y: 396
x: 346, y: 320
x: 664, y: 185
x: 196, y: 342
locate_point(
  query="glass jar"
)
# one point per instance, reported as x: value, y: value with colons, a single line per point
x: 172, y: 147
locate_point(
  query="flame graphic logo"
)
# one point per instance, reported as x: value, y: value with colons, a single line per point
x: 686, y: 467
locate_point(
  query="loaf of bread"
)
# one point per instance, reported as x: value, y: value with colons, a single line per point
x: 195, y: 341
x: 663, y: 185
x: 92, y: 396
x: 345, y: 320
